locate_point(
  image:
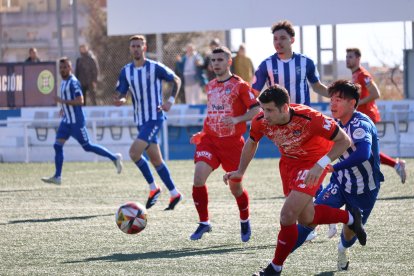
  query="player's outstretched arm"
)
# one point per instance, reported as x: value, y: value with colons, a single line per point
x: 320, y: 88
x: 374, y: 93
x: 341, y: 143
x: 246, y: 116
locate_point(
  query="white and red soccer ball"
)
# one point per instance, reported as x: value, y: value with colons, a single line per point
x: 131, y: 217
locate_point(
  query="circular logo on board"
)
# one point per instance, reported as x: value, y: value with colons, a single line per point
x: 45, y: 82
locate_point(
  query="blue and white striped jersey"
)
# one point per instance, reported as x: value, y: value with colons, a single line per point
x: 366, y: 175
x: 69, y: 90
x: 292, y: 74
x: 145, y: 84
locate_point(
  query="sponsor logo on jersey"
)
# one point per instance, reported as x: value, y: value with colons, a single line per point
x: 217, y: 107
x: 297, y: 132
x: 205, y: 154
x: 228, y: 91
x: 302, y: 186
x: 327, y: 124
x: 359, y: 133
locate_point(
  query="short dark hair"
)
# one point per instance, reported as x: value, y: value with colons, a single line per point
x: 284, y: 25
x: 345, y: 89
x: 277, y: 94
x: 222, y: 49
x: 356, y: 51
x: 138, y: 37
x: 65, y: 59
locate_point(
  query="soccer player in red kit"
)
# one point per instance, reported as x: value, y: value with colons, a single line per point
x: 308, y: 141
x: 230, y: 103
x: 369, y: 93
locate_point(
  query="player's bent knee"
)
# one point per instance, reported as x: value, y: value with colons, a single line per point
x: 287, y: 218
x: 236, y: 189
x: 87, y: 147
x: 134, y: 155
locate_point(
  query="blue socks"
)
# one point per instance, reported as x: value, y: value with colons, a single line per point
x: 303, y: 232
x: 162, y: 171
x: 142, y: 165
x: 58, y: 159
x: 346, y: 243
x: 165, y: 176
x: 99, y: 150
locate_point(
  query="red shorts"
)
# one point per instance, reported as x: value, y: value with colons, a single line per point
x: 293, y: 173
x: 220, y: 150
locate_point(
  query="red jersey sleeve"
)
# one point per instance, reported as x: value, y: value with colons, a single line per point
x: 247, y: 95
x: 323, y: 126
x: 256, y: 127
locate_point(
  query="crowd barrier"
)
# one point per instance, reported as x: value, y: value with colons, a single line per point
x: 28, y: 135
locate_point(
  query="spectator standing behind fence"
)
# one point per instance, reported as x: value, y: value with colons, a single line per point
x: 367, y: 105
x: 73, y: 123
x: 33, y: 57
x: 190, y: 66
x: 243, y: 65
x: 207, y: 64
x: 86, y: 72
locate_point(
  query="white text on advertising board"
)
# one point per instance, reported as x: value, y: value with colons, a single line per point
x: 11, y: 83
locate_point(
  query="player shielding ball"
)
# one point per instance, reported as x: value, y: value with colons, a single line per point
x: 356, y: 178
x: 307, y: 141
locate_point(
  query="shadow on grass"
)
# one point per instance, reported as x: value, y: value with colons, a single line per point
x: 172, y: 254
x: 15, y: 191
x: 270, y: 198
x: 326, y: 273
x: 396, y: 198
x: 55, y: 219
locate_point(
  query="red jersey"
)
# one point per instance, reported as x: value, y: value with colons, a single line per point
x: 233, y: 98
x: 364, y: 78
x: 307, y: 136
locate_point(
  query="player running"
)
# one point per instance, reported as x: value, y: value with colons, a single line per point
x: 355, y: 180
x: 307, y: 141
x: 230, y: 103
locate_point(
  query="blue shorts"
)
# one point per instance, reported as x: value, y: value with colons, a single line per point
x: 78, y: 132
x: 336, y: 197
x: 149, y: 131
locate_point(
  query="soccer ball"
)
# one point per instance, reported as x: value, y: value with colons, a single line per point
x: 131, y: 217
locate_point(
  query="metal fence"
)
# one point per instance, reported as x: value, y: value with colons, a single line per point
x: 115, y: 54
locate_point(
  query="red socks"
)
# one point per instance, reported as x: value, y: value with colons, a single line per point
x: 386, y: 160
x: 200, y: 197
x: 327, y: 215
x: 243, y: 204
x: 286, y: 241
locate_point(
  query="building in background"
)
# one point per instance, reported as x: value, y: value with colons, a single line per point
x: 34, y: 23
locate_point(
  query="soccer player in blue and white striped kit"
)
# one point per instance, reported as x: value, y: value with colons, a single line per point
x: 73, y: 122
x: 288, y: 69
x: 143, y: 78
x: 355, y: 180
